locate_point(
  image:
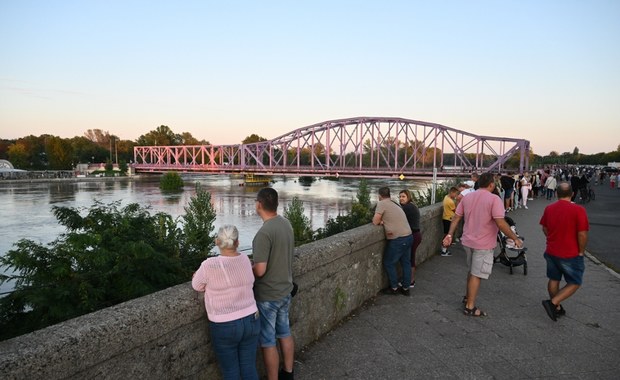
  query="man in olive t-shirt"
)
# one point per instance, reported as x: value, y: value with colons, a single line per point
x: 273, y: 248
x: 399, y: 238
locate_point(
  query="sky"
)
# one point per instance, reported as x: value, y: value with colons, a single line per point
x: 547, y: 70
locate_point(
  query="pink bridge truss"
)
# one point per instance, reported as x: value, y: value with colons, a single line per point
x: 364, y: 146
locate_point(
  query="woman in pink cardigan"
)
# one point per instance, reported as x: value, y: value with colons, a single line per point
x: 227, y: 282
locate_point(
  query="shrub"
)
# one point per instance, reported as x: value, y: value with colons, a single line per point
x: 108, y: 256
x: 302, y: 228
x: 171, y: 181
x: 198, y: 239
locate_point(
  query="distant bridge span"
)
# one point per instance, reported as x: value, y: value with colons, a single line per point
x: 358, y: 147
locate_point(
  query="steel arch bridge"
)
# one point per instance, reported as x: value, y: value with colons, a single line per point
x: 373, y: 147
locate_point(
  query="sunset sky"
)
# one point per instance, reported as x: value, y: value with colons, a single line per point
x: 547, y: 71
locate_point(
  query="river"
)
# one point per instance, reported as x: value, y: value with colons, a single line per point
x: 27, y: 206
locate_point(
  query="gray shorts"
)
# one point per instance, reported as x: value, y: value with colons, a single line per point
x: 479, y: 262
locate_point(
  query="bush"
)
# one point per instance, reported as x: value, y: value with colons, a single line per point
x: 360, y: 214
x: 198, y: 240
x: 171, y: 181
x: 108, y: 256
x: 302, y: 228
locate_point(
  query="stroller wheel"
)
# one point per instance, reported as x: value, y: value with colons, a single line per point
x: 525, y: 268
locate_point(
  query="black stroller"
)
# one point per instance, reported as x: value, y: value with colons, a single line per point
x: 509, y: 255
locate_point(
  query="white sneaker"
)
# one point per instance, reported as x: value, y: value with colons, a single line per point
x: 525, y: 207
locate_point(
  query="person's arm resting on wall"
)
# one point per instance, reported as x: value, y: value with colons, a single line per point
x: 377, y: 219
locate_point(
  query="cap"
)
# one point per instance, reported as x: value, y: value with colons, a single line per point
x: 470, y: 183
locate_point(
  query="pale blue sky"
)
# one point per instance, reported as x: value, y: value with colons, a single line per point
x: 547, y: 71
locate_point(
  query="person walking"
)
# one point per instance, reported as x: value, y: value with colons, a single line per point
x: 566, y: 227
x: 551, y: 184
x: 234, y: 324
x: 484, y: 217
x: 398, y: 241
x: 273, y: 248
x: 525, y: 190
x: 413, y: 217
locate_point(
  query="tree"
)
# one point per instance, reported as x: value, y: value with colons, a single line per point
x: 122, y: 167
x: 59, y: 153
x: 18, y: 155
x: 576, y: 151
x: 188, y: 139
x: 108, y: 256
x: 198, y: 237
x: 253, y: 138
x: 99, y: 137
x: 171, y: 181
x: 162, y: 135
x: 302, y: 227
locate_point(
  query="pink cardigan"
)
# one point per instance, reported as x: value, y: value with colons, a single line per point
x: 227, y: 282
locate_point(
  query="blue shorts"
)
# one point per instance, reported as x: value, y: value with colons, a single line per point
x: 572, y: 269
x: 273, y: 321
x: 508, y: 193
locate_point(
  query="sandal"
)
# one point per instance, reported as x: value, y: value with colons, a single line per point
x: 472, y: 312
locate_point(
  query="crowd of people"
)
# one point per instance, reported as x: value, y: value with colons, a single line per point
x: 247, y: 302
x: 482, y: 214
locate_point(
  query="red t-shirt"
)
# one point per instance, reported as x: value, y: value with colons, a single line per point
x: 563, y: 221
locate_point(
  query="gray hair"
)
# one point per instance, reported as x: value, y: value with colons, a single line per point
x: 227, y: 235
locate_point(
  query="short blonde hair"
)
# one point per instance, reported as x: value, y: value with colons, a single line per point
x: 227, y: 236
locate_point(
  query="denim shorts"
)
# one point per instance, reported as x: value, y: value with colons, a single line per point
x: 273, y: 321
x: 572, y: 269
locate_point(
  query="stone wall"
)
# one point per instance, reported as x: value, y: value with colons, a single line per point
x: 164, y: 335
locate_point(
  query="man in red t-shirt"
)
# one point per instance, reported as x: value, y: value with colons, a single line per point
x: 566, y: 226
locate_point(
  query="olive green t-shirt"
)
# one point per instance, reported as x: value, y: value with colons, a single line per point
x: 274, y: 244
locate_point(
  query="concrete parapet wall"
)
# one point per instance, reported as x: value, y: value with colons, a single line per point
x: 164, y: 335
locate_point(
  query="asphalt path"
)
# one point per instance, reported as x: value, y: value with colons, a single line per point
x: 604, y: 217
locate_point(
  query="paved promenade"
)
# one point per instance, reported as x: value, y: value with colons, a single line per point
x: 427, y: 336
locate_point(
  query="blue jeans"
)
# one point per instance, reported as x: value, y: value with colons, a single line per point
x: 235, y: 343
x: 398, y: 250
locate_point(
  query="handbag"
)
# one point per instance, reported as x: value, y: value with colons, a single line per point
x: 295, y: 289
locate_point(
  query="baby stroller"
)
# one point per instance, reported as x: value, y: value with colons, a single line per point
x: 509, y: 255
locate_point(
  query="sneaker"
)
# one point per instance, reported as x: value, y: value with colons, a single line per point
x: 405, y: 292
x: 390, y: 291
x: 412, y: 285
x: 446, y: 253
x: 560, y: 312
x: 283, y: 375
x: 525, y: 207
x: 550, y: 309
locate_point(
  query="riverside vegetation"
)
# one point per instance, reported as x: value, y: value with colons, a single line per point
x: 110, y: 254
